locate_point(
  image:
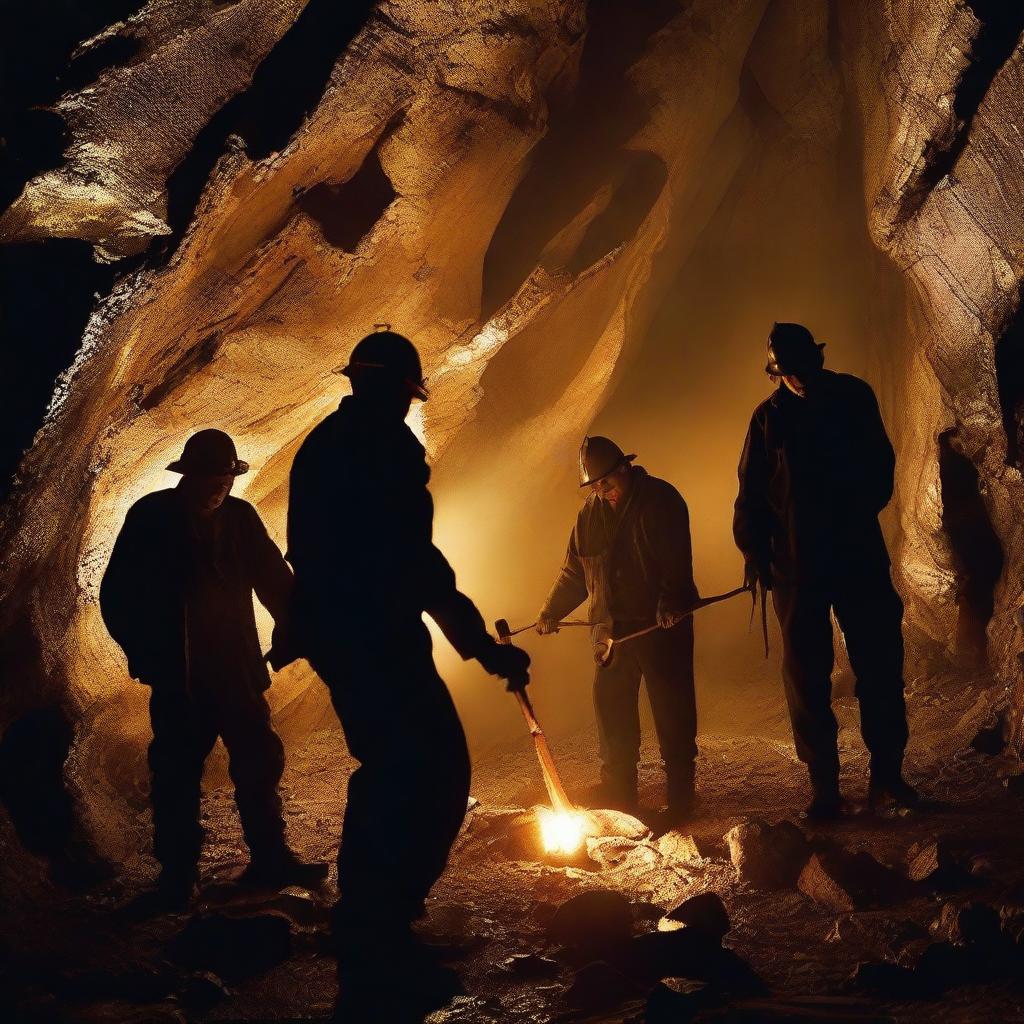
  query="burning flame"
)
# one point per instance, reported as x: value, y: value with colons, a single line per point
x: 562, y: 831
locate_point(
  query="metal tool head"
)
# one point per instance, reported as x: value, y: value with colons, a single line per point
x: 504, y: 631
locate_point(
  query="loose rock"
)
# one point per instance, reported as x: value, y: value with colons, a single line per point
x: 678, y: 1000
x: 593, y: 922
x: 527, y: 966
x: 932, y: 863
x: 705, y: 913
x: 768, y: 856
x: 846, y: 881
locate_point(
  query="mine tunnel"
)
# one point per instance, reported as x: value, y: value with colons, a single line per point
x: 587, y: 217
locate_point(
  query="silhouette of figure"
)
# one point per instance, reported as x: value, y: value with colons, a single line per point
x: 816, y: 469
x: 177, y: 598
x: 359, y: 538
x: 630, y: 551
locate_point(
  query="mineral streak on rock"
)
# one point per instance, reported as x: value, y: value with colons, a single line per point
x: 437, y: 123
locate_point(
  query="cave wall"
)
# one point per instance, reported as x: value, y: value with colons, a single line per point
x: 515, y: 185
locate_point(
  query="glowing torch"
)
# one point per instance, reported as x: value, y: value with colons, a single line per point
x: 562, y: 828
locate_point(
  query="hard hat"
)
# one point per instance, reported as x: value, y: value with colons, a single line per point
x: 386, y: 351
x: 209, y: 453
x: 598, y: 458
x: 792, y: 349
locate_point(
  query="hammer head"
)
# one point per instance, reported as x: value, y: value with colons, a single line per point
x: 501, y: 627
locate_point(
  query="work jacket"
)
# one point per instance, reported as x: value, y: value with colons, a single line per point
x: 360, y: 525
x: 632, y: 563
x: 161, y: 574
x: 814, y: 474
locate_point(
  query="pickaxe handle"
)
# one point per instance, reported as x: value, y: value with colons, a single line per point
x: 504, y: 631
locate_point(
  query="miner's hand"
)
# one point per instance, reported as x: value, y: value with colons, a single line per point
x: 546, y: 625
x: 753, y: 575
x: 509, y: 662
x: 669, y: 614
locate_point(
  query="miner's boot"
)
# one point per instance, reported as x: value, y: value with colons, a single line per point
x: 681, y: 798
x: 890, y: 789
x: 612, y: 796
x: 827, y: 802
x: 280, y: 869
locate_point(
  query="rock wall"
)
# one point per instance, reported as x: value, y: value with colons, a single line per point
x: 515, y: 185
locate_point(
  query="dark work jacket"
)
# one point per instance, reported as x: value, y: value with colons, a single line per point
x: 814, y: 474
x: 631, y: 564
x: 360, y: 525
x: 145, y: 593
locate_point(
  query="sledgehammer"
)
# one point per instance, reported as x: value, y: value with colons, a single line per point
x: 556, y: 792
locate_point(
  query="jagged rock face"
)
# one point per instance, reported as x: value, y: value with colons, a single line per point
x: 515, y: 185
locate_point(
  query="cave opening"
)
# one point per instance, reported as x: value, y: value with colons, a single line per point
x: 977, y: 552
x: 347, y: 211
x: 1009, y: 360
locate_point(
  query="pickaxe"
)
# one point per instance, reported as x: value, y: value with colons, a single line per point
x: 556, y: 792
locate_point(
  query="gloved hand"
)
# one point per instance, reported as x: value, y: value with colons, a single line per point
x: 669, y: 613
x: 546, y: 624
x: 754, y: 575
x: 282, y: 648
x: 510, y: 663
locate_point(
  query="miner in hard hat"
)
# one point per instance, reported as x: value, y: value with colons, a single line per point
x: 177, y: 596
x: 816, y: 470
x: 630, y: 553
x: 359, y: 538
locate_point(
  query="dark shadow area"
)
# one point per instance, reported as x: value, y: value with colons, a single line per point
x: 346, y: 211
x: 285, y: 88
x: 117, y: 51
x: 580, y: 154
x: 1010, y: 382
x: 47, y: 291
x: 977, y: 553
x: 188, y: 363
x: 638, y: 183
x: 35, y: 49
x: 1001, y: 26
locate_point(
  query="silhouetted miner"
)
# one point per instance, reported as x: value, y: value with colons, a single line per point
x: 630, y: 551
x: 816, y: 469
x: 366, y: 569
x: 178, y: 597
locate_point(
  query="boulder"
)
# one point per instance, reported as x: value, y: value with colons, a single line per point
x: 705, y: 912
x: 932, y: 863
x: 768, y: 856
x: 684, y: 848
x: 687, y: 953
x: 976, y: 924
x: 592, y: 923
x: 844, y: 881
x: 619, y: 824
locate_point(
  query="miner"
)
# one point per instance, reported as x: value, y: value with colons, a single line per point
x: 177, y: 596
x: 630, y: 552
x: 366, y: 569
x: 816, y: 470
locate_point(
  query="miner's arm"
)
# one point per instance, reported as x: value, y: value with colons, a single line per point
x: 570, y: 589
x: 751, y: 525
x: 667, y: 526
x: 122, y: 590
x: 880, y: 459
x: 271, y: 576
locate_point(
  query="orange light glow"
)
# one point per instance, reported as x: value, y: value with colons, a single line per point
x: 562, y: 831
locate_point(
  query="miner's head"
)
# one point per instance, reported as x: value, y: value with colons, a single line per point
x: 385, y: 369
x: 794, y: 357
x: 208, y: 466
x: 605, y: 469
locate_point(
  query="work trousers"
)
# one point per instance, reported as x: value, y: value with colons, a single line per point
x: 870, y: 614
x: 664, y: 660
x: 185, y: 728
x: 407, y: 799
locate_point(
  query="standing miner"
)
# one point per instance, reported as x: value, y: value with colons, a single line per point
x: 359, y: 537
x: 177, y: 597
x: 816, y: 470
x: 630, y: 551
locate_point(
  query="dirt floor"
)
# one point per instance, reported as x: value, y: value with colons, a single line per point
x: 89, y: 959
